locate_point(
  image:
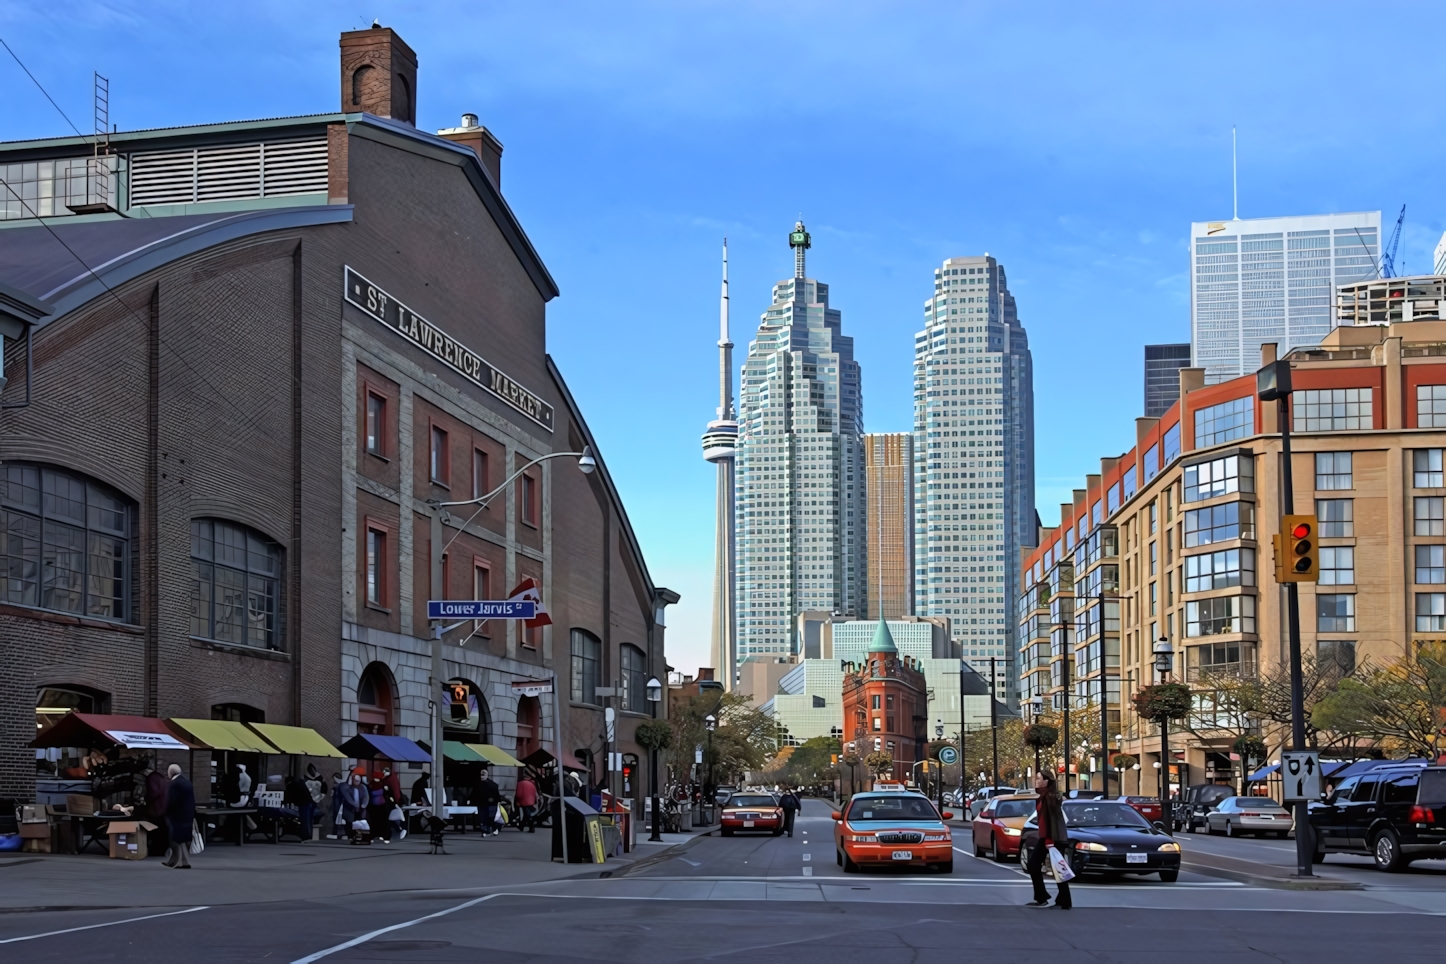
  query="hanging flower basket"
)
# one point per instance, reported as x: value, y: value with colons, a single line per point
x: 1123, y: 761
x: 1164, y: 701
x: 654, y: 735
x: 1249, y: 748
x: 1040, y: 735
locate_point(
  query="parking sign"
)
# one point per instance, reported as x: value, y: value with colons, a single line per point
x: 1300, y: 774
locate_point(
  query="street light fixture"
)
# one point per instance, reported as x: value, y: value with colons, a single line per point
x: 710, y: 723
x: 655, y: 696
x: 1164, y: 662
x: 939, y: 777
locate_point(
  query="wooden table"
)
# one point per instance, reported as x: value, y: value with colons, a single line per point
x: 220, y: 813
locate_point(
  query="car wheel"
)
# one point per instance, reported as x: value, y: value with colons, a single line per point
x: 1387, y: 851
x: 1229, y: 829
x: 778, y: 832
x: 1282, y: 834
x: 947, y: 867
x: 727, y: 832
x: 849, y: 866
x: 978, y: 851
x: 838, y: 857
x: 1169, y: 876
x: 1318, y: 857
x: 994, y: 852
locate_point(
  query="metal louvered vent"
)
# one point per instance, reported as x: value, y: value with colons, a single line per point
x: 228, y: 173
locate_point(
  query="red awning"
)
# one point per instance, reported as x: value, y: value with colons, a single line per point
x: 95, y: 731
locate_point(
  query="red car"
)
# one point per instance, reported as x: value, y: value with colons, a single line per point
x: 751, y: 811
x: 999, y: 826
x: 1147, y: 807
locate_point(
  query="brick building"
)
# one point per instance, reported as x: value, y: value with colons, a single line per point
x: 886, y: 704
x: 1172, y: 538
x: 266, y: 349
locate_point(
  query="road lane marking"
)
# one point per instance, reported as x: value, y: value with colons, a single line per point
x: 694, y: 863
x: 807, y: 857
x: 387, y: 930
x: 89, y: 927
x: 808, y: 871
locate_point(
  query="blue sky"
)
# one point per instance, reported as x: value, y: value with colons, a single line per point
x: 1075, y: 142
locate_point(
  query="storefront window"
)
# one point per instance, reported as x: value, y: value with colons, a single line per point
x: 235, y: 585
x: 586, y: 664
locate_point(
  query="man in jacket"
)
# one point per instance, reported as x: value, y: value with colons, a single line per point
x: 488, y: 796
x: 180, y: 818
x: 527, y: 803
x: 791, y: 805
x: 1052, y: 833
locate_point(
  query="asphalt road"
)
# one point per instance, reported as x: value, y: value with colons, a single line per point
x: 764, y: 899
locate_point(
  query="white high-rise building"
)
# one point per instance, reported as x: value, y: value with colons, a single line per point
x: 973, y: 458
x: 719, y: 443
x: 800, y: 481
x: 1271, y: 280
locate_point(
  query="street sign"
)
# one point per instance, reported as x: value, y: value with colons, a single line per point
x: 481, y: 609
x: 1300, y: 773
x: 948, y: 755
x: 698, y: 753
x: 531, y: 687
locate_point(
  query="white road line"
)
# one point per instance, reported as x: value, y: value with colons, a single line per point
x: 387, y: 930
x: 808, y: 871
x: 807, y: 857
x: 88, y: 927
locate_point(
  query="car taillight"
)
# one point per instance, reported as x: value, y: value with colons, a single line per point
x: 1420, y: 814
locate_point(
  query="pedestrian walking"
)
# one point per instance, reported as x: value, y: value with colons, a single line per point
x: 338, y: 804
x: 527, y: 804
x: 487, y: 797
x: 791, y: 805
x: 1052, y: 833
x: 180, y: 818
x: 379, y: 810
x: 353, y: 803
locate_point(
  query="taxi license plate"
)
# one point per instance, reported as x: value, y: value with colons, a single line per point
x: 903, y: 855
x: 748, y: 823
x: 1137, y: 858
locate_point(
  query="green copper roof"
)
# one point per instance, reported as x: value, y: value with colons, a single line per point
x: 883, y: 640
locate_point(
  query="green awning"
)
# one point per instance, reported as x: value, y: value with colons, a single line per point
x: 225, y: 735
x: 300, y: 740
x: 461, y: 752
x: 495, y: 755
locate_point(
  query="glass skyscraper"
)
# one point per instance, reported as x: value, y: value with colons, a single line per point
x: 800, y: 483
x: 1271, y: 280
x: 1162, y: 376
x: 973, y: 459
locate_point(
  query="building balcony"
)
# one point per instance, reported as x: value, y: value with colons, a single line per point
x: 1244, y: 669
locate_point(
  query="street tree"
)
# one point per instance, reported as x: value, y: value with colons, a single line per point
x: 1399, y: 706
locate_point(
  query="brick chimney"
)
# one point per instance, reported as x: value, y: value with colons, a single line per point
x: 480, y: 139
x: 378, y: 74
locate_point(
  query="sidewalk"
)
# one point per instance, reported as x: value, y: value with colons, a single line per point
x: 292, y: 870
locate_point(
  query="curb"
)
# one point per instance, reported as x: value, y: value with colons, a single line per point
x: 1267, y: 880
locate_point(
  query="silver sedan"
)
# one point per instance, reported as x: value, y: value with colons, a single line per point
x: 1237, y: 816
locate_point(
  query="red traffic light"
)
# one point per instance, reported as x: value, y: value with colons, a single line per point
x: 1301, y: 531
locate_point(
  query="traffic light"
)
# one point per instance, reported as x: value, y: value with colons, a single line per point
x: 1298, y: 555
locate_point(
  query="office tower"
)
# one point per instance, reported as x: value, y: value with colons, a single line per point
x: 1271, y: 280
x: 800, y: 498
x: 719, y: 445
x: 1162, y: 376
x: 973, y: 458
x: 889, y: 541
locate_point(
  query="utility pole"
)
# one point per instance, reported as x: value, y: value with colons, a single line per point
x: 994, y: 720
x: 1064, y: 635
x: 1104, y: 671
x: 439, y: 679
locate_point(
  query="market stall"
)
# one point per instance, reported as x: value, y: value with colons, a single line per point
x: 229, y: 742
x: 397, y: 750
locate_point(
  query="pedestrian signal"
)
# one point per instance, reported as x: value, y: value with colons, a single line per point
x: 1299, y: 560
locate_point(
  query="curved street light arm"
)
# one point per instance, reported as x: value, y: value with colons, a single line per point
x: 586, y: 462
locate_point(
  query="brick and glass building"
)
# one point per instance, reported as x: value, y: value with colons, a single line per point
x: 265, y: 350
x: 1175, y: 536
x: 886, y: 703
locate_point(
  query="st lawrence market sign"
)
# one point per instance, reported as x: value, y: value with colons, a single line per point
x: 442, y: 346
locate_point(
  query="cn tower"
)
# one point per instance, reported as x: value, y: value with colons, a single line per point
x: 719, y: 443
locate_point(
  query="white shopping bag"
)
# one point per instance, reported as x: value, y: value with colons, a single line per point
x: 1063, y: 872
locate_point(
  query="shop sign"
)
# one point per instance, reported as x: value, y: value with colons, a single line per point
x: 442, y: 346
x: 531, y: 687
x: 141, y: 740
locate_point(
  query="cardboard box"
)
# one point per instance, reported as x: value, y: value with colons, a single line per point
x: 80, y: 804
x: 36, y: 845
x: 34, y: 813
x: 35, y: 831
x: 128, y: 839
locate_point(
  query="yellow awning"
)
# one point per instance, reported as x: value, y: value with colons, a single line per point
x: 495, y: 754
x: 300, y: 740
x: 225, y: 735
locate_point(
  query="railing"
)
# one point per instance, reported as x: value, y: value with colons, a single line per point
x: 1245, y: 669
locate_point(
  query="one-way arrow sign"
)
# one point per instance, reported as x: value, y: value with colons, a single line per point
x: 1300, y: 771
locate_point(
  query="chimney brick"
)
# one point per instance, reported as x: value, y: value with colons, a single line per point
x: 378, y: 74
x: 482, y: 142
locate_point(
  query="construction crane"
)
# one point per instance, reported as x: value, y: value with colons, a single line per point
x: 1388, y: 254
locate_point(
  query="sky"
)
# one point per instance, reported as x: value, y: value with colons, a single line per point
x: 1074, y: 142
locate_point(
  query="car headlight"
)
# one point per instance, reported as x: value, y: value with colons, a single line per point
x: 1012, y: 831
x: 864, y: 838
x: 1169, y: 848
x: 1092, y: 847
x: 936, y: 836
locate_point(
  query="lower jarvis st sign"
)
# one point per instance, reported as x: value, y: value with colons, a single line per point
x: 433, y: 340
x: 481, y: 609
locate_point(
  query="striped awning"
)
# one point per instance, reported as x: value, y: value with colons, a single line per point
x: 225, y: 735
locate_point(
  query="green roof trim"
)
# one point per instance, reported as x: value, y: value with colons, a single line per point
x: 883, y: 639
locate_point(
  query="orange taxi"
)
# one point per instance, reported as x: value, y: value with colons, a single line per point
x: 998, y: 828
x: 751, y: 811
x: 892, y: 828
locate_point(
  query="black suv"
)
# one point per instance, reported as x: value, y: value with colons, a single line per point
x: 1395, y: 813
x: 1196, y: 802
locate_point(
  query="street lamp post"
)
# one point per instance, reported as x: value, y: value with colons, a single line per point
x: 655, y: 696
x: 1036, y: 709
x: 1164, y: 661
x: 1119, y: 750
x: 994, y: 719
x: 1084, y: 749
x: 939, y: 777
x: 710, y: 792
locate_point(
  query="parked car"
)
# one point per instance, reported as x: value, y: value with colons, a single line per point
x: 751, y: 811
x: 1196, y: 802
x: 1238, y: 816
x: 1085, y: 795
x: 983, y: 795
x: 1147, y: 807
x: 1110, y: 837
x: 1394, y: 813
x: 1000, y: 825
x: 895, y: 828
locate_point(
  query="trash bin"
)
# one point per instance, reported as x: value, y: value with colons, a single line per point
x: 580, y: 837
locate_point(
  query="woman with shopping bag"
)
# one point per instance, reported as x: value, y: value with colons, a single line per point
x: 1052, y: 844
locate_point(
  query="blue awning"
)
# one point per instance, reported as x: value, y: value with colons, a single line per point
x: 372, y: 746
x: 1262, y: 773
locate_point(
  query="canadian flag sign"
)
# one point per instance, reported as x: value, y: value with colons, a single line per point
x: 529, y: 591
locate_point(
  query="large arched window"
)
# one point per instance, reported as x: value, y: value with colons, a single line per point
x: 375, y: 700
x: 586, y: 666
x: 235, y: 585
x: 635, y: 679
x: 65, y: 542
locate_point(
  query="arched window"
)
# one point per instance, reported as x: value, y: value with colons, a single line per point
x: 586, y: 666
x: 237, y: 713
x: 235, y: 585
x: 375, y: 700
x: 529, y: 726
x: 635, y: 679
x: 360, y: 78
x: 65, y: 542
x: 464, y: 708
